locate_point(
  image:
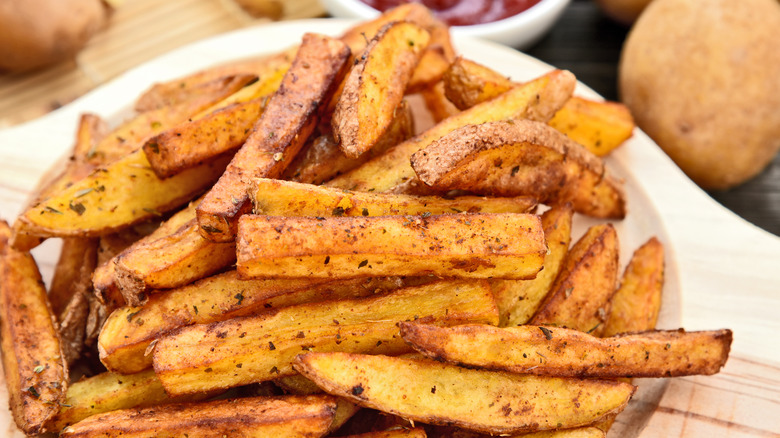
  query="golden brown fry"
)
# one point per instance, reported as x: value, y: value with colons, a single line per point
x: 437, y: 104
x: 485, y: 401
x: 253, y: 349
x: 281, y: 417
x: 391, y: 172
x: 274, y: 197
x: 36, y: 375
x: 553, y: 351
x: 181, y: 89
x: 375, y: 86
x: 289, y: 119
x: 435, y: 60
x: 129, y: 331
x: 579, y: 297
x: 578, y: 432
x: 517, y: 300
x: 358, y: 37
x: 193, y: 143
x: 468, y: 83
x: 78, y: 258
x: 635, y: 305
x: 323, y: 160
x: 520, y: 157
x: 397, y: 433
x: 599, y: 126
x: 462, y: 246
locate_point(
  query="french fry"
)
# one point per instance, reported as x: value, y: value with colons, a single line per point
x: 282, y: 417
x: 417, y: 432
x: 480, y: 400
x: 579, y: 297
x: 598, y: 126
x: 123, y: 193
x: 466, y: 246
x: 129, y: 332
x: 78, y: 258
x: 322, y: 159
x: 577, y: 432
x: 289, y: 119
x: 285, y: 198
x: 554, y: 351
x: 254, y: 349
x: 519, y: 157
x: 518, y: 300
x: 358, y: 36
x: 36, y: 375
x: 635, y: 305
x: 391, y: 172
x: 375, y: 86
x: 437, y: 104
x: 435, y: 60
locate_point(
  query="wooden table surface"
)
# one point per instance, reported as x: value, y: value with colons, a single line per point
x: 728, y: 269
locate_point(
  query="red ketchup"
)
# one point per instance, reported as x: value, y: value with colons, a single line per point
x: 463, y: 12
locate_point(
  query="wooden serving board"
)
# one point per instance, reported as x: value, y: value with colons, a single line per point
x: 728, y: 270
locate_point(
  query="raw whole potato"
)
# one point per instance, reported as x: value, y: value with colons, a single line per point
x: 702, y: 78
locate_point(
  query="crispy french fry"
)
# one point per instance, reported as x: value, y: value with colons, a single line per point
x: 579, y: 297
x: 181, y: 89
x: 36, y: 375
x: 553, y: 351
x: 391, y: 172
x: 117, y: 196
x: 285, y: 198
x: 635, y: 305
x: 480, y: 400
x: 253, y: 349
x: 519, y: 157
x: 598, y: 126
x: 129, y: 332
x: 518, y: 300
x: 375, y: 86
x: 289, y: 119
x: 282, y: 417
x: 465, y: 246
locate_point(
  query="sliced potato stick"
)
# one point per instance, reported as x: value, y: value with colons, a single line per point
x: 375, y: 86
x: 391, y: 172
x: 635, y: 305
x: 519, y: 157
x: 466, y: 246
x: 129, y: 332
x: 553, y: 351
x: 36, y: 375
x: 290, y: 117
x: 282, y: 417
x: 484, y: 401
x: 253, y: 349
x: 579, y: 297
x: 518, y: 300
x: 274, y: 197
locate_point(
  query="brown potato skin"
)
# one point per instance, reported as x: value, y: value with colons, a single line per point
x: 715, y: 110
x: 36, y: 375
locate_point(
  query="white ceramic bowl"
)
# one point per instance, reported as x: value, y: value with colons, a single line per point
x: 519, y: 31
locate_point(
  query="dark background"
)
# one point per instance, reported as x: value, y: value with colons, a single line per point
x: 588, y: 43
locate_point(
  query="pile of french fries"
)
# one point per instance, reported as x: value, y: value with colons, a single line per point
x: 268, y: 249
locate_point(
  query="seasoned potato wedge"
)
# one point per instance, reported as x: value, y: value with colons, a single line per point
x: 518, y: 300
x: 579, y: 298
x: 281, y: 417
x: 437, y: 104
x: 635, y: 305
x: 520, y: 157
x: 129, y: 331
x: 577, y: 432
x: 480, y: 400
x: 391, y: 172
x: 468, y: 83
x: 274, y: 197
x: 290, y: 117
x: 78, y: 258
x: 252, y: 349
x: 322, y: 159
x: 417, y: 432
x: 553, y: 351
x: 36, y: 375
x: 375, y: 86
x: 435, y: 60
x: 117, y: 196
x: 467, y: 246
x: 359, y: 36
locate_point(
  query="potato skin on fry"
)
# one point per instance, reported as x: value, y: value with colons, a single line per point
x: 281, y: 417
x: 479, y: 400
x: 456, y: 246
x: 554, y: 351
x: 36, y: 375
